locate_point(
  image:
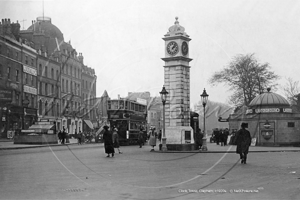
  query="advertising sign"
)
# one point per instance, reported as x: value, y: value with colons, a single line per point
x: 30, y: 90
x: 29, y: 70
x: 5, y: 95
x: 269, y: 110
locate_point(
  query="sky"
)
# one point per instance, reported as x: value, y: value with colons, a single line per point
x: 122, y: 39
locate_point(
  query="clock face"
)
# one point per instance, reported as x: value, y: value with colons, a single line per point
x: 184, y: 48
x: 172, y: 48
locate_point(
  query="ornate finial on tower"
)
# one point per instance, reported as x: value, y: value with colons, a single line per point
x: 176, y: 29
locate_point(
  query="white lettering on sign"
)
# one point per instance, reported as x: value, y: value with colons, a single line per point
x: 30, y: 90
x: 249, y: 111
x: 267, y: 110
x: 287, y: 110
x: 29, y: 70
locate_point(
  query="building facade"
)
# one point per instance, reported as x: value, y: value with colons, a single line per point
x: 18, y: 74
x: 41, y: 79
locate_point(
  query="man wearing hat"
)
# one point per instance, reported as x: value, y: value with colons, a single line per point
x: 243, y: 141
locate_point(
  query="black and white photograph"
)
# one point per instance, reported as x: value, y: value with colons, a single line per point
x: 149, y: 99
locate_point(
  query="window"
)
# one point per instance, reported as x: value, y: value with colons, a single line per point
x: 25, y: 78
x: 32, y: 62
x: 17, y: 98
x: 26, y: 60
x: 63, y: 85
x: 40, y: 107
x: 46, y: 89
x: 17, y: 75
x: 8, y: 72
x: 40, y: 70
x: 46, y: 71
x: 291, y: 124
x: 52, y: 111
x: 46, y: 108
x: 0, y: 49
x: 52, y: 73
x: 32, y: 80
x: 32, y: 101
x: 17, y: 56
x: 41, y: 88
x: 57, y: 75
x: 67, y: 86
x: 8, y: 52
x: 52, y: 90
x: 57, y: 110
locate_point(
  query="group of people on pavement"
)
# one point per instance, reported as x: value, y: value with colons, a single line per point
x: 221, y: 136
x: 242, y: 139
x: 62, y: 136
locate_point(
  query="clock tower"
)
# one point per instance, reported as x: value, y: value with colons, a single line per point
x: 177, y: 83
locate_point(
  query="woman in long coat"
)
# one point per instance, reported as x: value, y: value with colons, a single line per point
x: 243, y: 141
x: 152, y: 139
x: 108, y: 142
x: 115, y: 137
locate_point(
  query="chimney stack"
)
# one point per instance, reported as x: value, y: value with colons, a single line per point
x: 80, y: 57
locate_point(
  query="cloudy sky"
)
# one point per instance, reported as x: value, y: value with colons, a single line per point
x: 122, y: 39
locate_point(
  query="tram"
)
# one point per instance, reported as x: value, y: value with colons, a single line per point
x: 128, y: 117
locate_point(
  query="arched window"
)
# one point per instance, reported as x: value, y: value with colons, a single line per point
x: 40, y: 107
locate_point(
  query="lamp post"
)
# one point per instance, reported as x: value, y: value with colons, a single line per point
x: 163, y: 95
x: 204, y: 97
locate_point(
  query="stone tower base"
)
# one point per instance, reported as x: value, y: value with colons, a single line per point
x: 179, y: 135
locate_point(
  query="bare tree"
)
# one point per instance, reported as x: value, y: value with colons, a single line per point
x: 291, y: 90
x: 246, y: 77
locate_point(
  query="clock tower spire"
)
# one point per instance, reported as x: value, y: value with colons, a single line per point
x: 177, y: 83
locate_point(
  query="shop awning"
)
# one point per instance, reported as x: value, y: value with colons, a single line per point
x: 41, y: 126
x: 89, y: 123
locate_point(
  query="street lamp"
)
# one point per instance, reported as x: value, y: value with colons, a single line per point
x: 163, y: 95
x: 204, y: 97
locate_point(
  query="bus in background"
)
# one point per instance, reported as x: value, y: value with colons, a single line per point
x: 128, y: 117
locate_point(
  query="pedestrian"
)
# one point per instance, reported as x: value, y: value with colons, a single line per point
x: 226, y: 134
x: 217, y: 136
x: 159, y: 136
x: 141, y: 137
x: 115, y: 137
x: 152, y: 139
x: 108, y: 142
x: 198, y: 139
x: 63, y: 136
x: 60, y: 136
x: 222, y: 137
x: 243, y: 141
x: 79, y: 137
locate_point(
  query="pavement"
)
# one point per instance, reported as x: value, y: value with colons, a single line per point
x: 8, y: 144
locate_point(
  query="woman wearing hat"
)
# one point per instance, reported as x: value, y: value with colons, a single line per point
x: 152, y: 139
x: 115, y: 137
x: 108, y: 142
x: 243, y: 141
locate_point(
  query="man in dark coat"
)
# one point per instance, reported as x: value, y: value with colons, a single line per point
x: 108, y: 142
x: 198, y: 139
x: 243, y: 141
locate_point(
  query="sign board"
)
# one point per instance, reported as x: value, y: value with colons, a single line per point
x: 268, y: 110
x: 29, y: 70
x: 30, y: 90
x: 5, y: 95
x: 141, y: 101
